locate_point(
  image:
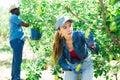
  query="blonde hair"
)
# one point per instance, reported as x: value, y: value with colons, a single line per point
x: 57, y: 47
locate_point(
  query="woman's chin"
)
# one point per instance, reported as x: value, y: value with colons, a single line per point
x: 69, y: 36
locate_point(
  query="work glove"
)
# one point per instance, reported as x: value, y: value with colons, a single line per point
x: 95, y: 49
x: 71, y: 67
x: 89, y: 40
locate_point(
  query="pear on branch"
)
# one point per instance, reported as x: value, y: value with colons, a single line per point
x: 113, y: 27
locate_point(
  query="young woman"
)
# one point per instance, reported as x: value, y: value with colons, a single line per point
x: 70, y: 49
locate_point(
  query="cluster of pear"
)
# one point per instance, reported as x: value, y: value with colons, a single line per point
x: 113, y: 27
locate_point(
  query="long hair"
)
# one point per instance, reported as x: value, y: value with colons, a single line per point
x: 57, y: 47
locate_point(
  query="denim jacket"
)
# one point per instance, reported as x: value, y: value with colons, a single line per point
x: 80, y: 46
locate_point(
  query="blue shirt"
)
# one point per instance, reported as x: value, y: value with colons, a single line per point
x: 80, y: 46
x: 16, y: 31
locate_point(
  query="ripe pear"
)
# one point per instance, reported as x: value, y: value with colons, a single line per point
x: 87, y: 33
x: 78, y: 67
x: 113, y: 27
x: 110, y: 57
x: 39, y: 11
x: 111, y: 19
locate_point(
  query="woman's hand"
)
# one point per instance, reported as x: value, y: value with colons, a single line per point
x: 76, y: 69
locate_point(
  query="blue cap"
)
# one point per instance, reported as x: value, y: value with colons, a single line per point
x: 61, y: 21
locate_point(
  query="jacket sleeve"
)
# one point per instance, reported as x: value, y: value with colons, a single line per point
x: 63, y: 63
x: 90, y: 42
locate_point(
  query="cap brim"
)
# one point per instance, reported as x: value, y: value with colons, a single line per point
x: 62, y: 20
x: 70, y: 20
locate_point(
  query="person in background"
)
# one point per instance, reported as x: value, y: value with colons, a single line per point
x: 17, y: 40
x: 70, y: 50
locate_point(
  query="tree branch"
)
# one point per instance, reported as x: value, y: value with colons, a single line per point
x: 104, y: 16
x: 78, y: 16
x: 104, y: 21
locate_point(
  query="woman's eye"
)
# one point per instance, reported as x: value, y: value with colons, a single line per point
x: 64, y: 27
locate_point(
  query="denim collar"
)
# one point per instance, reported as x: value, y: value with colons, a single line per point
x: 74, y: 37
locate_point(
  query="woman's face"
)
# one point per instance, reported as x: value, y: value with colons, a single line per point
x: 66, y: 30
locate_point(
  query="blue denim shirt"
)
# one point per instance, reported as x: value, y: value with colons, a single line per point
x: 80, y: 46
x: 16, y: 31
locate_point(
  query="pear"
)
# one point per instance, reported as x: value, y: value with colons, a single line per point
x: 112, y: 19
x: 110, y: 57
x: 78, y: 67
x: 113, y: 27
x: 39, y: 11
x: 87, y: 33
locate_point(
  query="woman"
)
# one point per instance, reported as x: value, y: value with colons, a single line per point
x: 70, y: 50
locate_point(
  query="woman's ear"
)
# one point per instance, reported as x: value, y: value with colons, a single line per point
x: 60, y: 33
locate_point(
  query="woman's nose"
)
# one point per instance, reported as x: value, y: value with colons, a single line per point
x: 69, y: 28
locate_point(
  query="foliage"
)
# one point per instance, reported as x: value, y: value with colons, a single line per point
x: 56, y: 71
x: 4, y: 24
x: 4, y: 31
x: 86, y: 13
x: 5, y: 48
x: 34, y: 69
